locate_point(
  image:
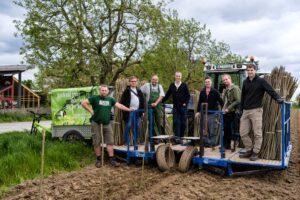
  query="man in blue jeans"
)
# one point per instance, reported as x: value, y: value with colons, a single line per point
x: 133, y: 98
x: 181, y: 96
x: 213, y: 98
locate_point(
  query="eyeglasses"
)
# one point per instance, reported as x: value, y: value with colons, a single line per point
x: 133, y: 81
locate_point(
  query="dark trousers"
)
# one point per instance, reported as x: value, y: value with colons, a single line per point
x: 179, y: 121
x: 228, y: 128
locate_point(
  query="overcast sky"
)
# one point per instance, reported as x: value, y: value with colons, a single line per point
x: 269, y: 30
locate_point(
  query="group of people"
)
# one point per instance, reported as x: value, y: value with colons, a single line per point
x: 247, y: 101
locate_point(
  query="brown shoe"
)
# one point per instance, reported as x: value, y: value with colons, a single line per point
x: 247, y: 154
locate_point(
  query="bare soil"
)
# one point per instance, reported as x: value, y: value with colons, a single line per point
x: 128, y: 182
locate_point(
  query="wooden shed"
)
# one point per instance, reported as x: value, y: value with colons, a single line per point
x: 12, y: 92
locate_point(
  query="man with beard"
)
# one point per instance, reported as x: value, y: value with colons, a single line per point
x: 101, y: 113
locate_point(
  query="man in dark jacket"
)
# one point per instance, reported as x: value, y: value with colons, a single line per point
x: 213, y: 98
x: 253, y: 91
x: 181, y: 96
x: 133, y: 98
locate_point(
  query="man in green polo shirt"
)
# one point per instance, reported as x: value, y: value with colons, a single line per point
x: 100, y: 108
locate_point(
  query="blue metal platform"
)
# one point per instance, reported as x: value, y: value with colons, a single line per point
x: 227, y: 159
x: 217, y: 157
x: 136, y: 150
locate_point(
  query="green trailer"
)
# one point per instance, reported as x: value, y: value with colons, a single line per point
x: 69, y: 119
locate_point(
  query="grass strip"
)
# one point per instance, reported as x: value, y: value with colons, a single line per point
x: 21, y: 157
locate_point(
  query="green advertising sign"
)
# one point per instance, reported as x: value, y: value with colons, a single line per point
x: 66, y: 106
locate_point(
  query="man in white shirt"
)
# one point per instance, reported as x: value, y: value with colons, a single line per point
x: 132, y: 98
x: 181, y: 96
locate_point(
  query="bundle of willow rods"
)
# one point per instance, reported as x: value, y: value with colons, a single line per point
x: 119, y: 125
x: 168, y: 128
x: 196, y: 120
x: 285, y: 85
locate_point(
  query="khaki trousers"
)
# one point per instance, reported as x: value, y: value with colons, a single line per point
x: 252, y: 120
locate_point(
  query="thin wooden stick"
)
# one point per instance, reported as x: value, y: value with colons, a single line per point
x: 42, y: 163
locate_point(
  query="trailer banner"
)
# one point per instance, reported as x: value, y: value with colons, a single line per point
x: 66, y: 106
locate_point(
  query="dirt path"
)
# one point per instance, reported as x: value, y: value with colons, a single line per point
x: 126, y: 182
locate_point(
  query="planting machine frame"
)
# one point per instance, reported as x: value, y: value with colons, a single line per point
x: 229, y: 161
x: 136, y: 152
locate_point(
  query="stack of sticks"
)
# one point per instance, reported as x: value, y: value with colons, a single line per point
x: 285, y: 85
x: 119, y: 125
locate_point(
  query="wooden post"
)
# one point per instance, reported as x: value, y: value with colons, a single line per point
x: 19, y: 90
x: 42, y: 164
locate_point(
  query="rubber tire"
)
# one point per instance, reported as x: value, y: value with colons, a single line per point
x: 186, y: 158
x: 73, y: 135
x: 165, y: 157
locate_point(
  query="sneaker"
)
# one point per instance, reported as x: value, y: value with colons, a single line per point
x: 98, y: 163
x: 254, y: 157
x: 246, y: 154
x: 113, y: 162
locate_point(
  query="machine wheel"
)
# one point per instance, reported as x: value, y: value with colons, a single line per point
x: 165, y: 157
x: 73, y: 135
x: 186, y: 158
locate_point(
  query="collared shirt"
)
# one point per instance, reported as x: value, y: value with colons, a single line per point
x: 177, y: 85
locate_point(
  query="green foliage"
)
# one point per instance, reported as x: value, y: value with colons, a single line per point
x: 71, y: 40
x: 181, y: 45
x: 18, y: 117
x: 297, y: 102
x: 28, y: 83
x: 15, y: 117
x: 21, y: 157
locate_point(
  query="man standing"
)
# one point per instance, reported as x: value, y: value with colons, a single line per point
x: 181, y: 96
x: 101, y: 112
x: 232, y: 99
x: 212, y: 97
x: 133, y: 98
x: 154, y: 94
x: 253, y: 91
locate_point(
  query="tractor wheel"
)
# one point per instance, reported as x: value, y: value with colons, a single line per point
x: 186, y: 158
x: 73, y: 135
x: 165, y: 157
